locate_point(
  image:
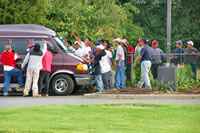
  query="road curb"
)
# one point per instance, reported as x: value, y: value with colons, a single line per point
x: 142, y: 96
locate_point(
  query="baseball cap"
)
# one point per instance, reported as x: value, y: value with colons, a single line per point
x: 145, y: 40
x: 154, y: 42
x: 77, y: 42
x: 100, y: 47
x: 117, y: 40
x: 109, y: 46
x: 101, y: 40
x: 124, y: 42
x: 62, y: 38
x: 179, y: 42
x: 97, y: 43
x: 139, y: 40
x: 190, y: 42
x: 37, y: 45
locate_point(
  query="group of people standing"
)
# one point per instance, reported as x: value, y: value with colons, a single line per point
x: 151, y: 58
x: 186, y: 56
x: 101, y: 56
x: 38, y: 67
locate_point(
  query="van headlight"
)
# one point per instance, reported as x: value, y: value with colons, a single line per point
x: 82, y: 67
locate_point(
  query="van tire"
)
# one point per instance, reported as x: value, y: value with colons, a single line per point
x: 62, y: 84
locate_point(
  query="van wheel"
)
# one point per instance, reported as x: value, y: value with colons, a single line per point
x: 62, y: 84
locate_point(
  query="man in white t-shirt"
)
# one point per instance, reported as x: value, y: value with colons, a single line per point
x: 77, y: 50
x: 85, y: 46
x: 120, y: 79
x: 111, y: 63
x: 105, y: 69
x: 138, y: 47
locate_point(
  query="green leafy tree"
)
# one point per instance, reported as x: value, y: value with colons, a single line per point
x: 91, y: 18
x: 22, y: 11
x: 152, y: 18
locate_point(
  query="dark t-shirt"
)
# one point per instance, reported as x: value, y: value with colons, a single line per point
x: 146, y: 53
x: 180, y: 56
x: 96, y: 62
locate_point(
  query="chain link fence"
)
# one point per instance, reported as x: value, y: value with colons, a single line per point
x: 189, y: 62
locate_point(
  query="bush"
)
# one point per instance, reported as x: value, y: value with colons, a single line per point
x: 22, y: 11
x: 186, y: 78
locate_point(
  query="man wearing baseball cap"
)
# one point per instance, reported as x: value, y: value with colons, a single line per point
x: 85, y: 46
x: 102, y: 41
x: 33, y: 60
x: 145, y: 56
x: 178, y: 58
x: 139, y: 46
x: 130, y: 50
x: 77, y: 50
x: 157, y: 57
x: 120, y: 79
x: 191, y: 57
x: 98, y: 72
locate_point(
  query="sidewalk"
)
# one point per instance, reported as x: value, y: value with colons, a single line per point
x: 142, y: 96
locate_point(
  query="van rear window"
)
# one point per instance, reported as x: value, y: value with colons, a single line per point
x: 19, y: 46
x: 3, y: 43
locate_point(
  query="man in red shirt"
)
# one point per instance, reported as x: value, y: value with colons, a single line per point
x: 130, y: 50
x: 8, y: 60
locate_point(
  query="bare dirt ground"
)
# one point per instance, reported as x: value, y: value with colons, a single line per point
x: 153, y: 91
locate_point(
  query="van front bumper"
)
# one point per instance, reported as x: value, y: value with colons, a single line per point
x: 84, y: 79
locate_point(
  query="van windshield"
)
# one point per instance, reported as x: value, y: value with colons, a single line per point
x: 61, y: 45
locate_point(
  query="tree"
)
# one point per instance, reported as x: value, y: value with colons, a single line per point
x: 152, y: 19
x: 91, y: 18
x: 22, y: 11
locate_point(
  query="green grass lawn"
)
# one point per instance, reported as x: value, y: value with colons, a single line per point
x: 107, y: 118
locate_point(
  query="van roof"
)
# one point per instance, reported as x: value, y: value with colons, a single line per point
x: 25, y: 30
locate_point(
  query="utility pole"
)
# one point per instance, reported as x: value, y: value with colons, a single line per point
x: 168, y: 31
x: 168, y: 73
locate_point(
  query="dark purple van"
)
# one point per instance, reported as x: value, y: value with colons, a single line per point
x: 68, y: 70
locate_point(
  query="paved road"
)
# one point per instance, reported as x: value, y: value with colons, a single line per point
x: 30, y: 101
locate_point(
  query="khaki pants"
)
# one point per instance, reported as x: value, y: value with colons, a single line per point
x: 32, y: 76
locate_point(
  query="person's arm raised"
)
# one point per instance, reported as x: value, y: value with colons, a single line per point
x: 44, y: 50
x: 76, y: 37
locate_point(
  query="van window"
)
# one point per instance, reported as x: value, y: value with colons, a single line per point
x: 19, y: 46
x: 61, y: 44
x: 51, y: 46
x: 3, y: 43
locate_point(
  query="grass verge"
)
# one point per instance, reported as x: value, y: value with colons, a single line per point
x: 107, y: 118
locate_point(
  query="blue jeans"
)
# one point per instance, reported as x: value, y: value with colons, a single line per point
x: 99, y: 82
x: 120, y: 78
x: 9, y: 74
x: 145, y: 68
x: 194, y: 70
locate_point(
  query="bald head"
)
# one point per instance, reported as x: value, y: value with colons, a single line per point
x: 8, y: 48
